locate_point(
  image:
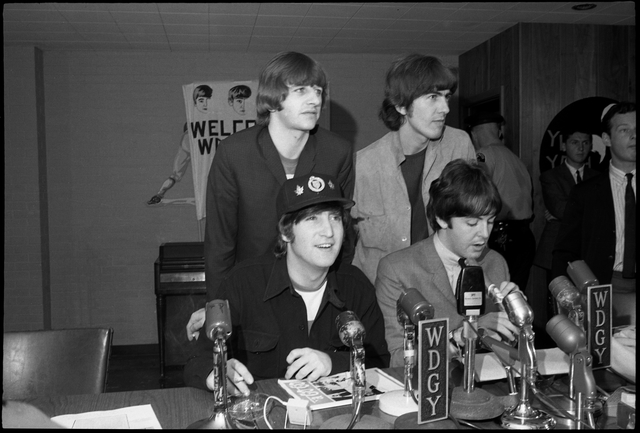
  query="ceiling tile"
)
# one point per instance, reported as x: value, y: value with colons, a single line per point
x: 96, y: 27
x: 32, y: 15
x: 360, y: 23
x: 132, y: 7
x: 334, y: 23
x: 517, y: 16
x: 196, y: 8
x: 599, y: 19
x: 232, y: 40
x: 186, y: 30
x: 136, y: 17
x: 316, y: 32
x: 381, y: 11
x: 359, y: 33
x: 538, y: 6
x: 142, y: 28
x: 188, y: 39
x: 232, y: 20
x: 556, y: 18
x: 147, y: 38
x: 274, y: 31
x: 623, y: 8
x: 343, y: 10
x: 187, y: 19
x: 229, y: 30
x: 414, y: 25
x: 88, y: 16
x: 425, y: 13
x: 274, y: 21
x: 473, y: 15
x: 234, y: 8
x: 104, y: 37
x: 284, y: 9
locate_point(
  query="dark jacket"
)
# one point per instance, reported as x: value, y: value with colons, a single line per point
x: 588, y: 230
x: 269, y: 319
x: 245, y: 177
x: 556, y: 187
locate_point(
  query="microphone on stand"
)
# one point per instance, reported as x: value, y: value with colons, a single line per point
x: 572, y: 340
x: 352, y: 333
x: 581, y: 275
x: 467, y: 402
x: 523, y: 415
x: 218, y: 329
x: 569, y: 298
x: 411, y: 308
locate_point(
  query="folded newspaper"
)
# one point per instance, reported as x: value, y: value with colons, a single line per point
x: 332, y: 391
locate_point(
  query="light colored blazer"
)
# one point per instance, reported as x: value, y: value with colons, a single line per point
x: 382, y: 212
x: 420, y: 267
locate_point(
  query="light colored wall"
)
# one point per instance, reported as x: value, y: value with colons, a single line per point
x: 113, y: 124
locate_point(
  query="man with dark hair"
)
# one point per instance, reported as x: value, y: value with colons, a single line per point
x: 557, y: 183
x: 250, y: 166
x: 283, y: 306
x: 598, y: 224
x: 393, y: 174
x: 512, y: 236
x: 463, y: 204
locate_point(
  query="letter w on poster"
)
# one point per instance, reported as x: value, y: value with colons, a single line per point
x: 215, y: 110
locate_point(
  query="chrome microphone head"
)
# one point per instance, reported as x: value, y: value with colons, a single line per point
x: 581, y: 275
x: 415, y: 306
x: 563, y: 291
x: 350, y: 329
x: 567, y: 335
x: 218, y: 319
x: 517, y: 308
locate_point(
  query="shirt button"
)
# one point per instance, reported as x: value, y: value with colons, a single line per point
x: 404, y: 239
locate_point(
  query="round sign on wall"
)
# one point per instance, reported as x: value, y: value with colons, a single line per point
x: 585, y: 113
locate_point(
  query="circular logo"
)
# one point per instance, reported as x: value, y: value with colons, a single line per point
x: 316, y: 184
x: 586, y: 114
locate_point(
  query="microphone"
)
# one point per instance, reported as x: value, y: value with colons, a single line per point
x: 352, y: 333
x: 218, y: 320
x: 581, y: 275
x: 567, y: 295
x: 523, y: 415
x: 412, y: 304
x: 218, y: 329
x: 350, y: 329
x: 572, y: 340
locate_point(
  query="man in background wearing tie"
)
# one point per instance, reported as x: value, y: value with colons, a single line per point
x: 556, y: 186
x: 598, y: 225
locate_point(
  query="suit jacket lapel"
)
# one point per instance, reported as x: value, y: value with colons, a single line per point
x: 440, y: 278
x: 271, y: 155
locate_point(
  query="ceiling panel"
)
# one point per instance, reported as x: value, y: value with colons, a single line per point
x: 383, y: 27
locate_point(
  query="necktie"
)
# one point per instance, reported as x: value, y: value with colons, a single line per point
x: 629, y: 261
x: 578, y: 177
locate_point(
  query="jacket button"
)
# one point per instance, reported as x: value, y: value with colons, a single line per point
x: 404, y: 239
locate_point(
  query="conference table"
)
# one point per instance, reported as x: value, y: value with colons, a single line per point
x: 178, y: 408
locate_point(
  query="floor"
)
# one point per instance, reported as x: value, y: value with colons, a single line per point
x: 133, y: 368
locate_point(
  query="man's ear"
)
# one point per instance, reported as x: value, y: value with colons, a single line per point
x: 401, y: 110
x: 442, y: 223
x: 606, y: 139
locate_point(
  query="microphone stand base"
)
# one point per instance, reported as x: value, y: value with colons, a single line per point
x: 366, y: 422
x: 534, y: 420
x: 217, y: 421
x: 396, y: 403
x: 564, y: 403
x: 476, y: 405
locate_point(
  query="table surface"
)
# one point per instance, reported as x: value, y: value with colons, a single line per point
x: 178, y: 408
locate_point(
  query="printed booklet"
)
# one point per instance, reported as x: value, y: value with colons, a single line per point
x: 332, y: 391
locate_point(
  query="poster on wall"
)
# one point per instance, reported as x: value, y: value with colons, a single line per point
x: 214, y: 111
x: 584, y: 113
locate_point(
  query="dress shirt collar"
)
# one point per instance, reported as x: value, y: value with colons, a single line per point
x: 573, y: 169
x: 618, y: 175
x: 279, y: 281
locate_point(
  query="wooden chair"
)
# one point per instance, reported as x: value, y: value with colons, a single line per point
x: 62, y: 362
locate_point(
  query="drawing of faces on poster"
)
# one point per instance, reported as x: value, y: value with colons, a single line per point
x: 215, y: 110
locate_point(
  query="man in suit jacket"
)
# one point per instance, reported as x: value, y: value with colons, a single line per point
x: 463, y: 205
x: 593, y: 225
x: 250, y: 166
x: 557, y: 184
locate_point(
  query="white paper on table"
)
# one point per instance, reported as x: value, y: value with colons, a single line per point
x: 133, y: 417
x: 550, y: 361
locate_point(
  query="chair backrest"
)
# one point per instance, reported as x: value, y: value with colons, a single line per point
x: 59, y: 362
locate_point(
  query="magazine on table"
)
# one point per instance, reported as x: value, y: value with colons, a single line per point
x: 335, y: 390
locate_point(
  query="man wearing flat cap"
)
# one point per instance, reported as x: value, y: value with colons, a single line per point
x: 284, y: 305
x: 512, y: 237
